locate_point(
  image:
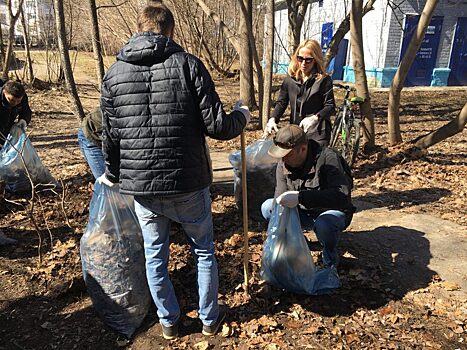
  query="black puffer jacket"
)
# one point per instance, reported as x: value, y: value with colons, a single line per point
x: 308, y: 98
x: 158, y: 104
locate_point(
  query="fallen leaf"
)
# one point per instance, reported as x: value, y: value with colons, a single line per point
x: 450, y: 286
x: 387, y: 310
x: 202, y: 345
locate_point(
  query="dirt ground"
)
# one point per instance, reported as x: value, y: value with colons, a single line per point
x: 46, y: 306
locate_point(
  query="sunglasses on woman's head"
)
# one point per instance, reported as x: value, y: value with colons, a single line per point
x: 306, y: 59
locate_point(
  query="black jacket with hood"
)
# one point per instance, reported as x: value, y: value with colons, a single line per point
x: 158, y: 104
x: 308, y: 98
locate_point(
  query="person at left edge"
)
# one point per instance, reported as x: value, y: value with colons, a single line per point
x: 159, y: 103
x: 13, y: 104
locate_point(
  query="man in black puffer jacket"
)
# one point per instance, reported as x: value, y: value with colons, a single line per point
x: 159, y: 103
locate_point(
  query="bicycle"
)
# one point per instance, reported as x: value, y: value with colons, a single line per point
x: 345, y: 134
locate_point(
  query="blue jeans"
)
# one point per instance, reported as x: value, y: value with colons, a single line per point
x: 193, y: 211
x: 92, y: 153
x: 327, y: 227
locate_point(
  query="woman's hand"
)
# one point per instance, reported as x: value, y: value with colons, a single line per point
x: 309, y: 122
x: 271, y: 127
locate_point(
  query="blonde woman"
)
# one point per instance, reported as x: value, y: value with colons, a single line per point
x: 308, y: 89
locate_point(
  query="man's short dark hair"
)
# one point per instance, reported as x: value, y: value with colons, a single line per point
x: 14, y: 88
x: 155, y: 17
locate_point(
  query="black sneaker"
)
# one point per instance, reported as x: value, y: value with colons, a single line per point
x: 212, y: 330
x: 170, y: 332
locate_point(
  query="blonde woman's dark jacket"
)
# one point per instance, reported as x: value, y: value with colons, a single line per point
x: 305, y: 99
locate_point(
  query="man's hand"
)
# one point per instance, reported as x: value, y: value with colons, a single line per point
x: 243, y: 109
x: 22, y: 124
x: 103, y: 180
x: 271, y: 127
x: 309, y: 122
x: 288, y: 199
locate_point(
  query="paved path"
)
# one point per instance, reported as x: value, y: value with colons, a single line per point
x: 419, y: 246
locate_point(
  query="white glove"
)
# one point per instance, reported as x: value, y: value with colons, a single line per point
x: 103, y: 180
x: 309, y: 122
x: 243, y: 109
x: 288, y: 199
x: 270, y: 127
x: 22, y: 124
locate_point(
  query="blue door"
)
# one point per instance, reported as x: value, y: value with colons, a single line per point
x: 422, y: 67
x: 458, y: 61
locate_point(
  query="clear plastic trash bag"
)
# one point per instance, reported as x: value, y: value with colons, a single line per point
x: 287, y: 262
x: 12, y: 169
x: 112, y: 257
x: 260, y: 173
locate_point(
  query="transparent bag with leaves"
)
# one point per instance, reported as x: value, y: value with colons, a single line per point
x: 112, y: 257
x: 260, y: 173
x: 18, y: 148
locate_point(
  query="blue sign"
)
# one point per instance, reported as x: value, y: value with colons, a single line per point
x: 326, y: 36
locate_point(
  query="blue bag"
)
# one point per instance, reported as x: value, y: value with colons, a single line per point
x: 12, y: 169
x: 287, y: 262
x: 112, y: 258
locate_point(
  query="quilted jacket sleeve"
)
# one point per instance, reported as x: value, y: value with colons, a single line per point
x: 218, y: 124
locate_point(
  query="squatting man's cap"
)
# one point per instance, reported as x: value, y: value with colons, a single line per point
x: 286, y: 139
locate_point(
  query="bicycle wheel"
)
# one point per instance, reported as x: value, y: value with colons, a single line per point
x: 336, y: 130
x: 351, y: 141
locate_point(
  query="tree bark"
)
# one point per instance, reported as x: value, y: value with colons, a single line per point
x: 397, y: 83
x: 296, y: 10
x: 343, y: 29
x: 453, y: 127
x: 268, y: 58
x: 247, y: 93
x: 96, y: 42
x: 2, y: 49
x: 65, y: 57
x: 12, y: 18
x: 361, y: 84
x: 27, y: 46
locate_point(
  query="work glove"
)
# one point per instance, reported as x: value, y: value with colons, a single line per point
x: 288, y: 199
x: 22, y: 124
x: 243, y: 109
x: 271, y: 127
x: 309, y: 122
x: 103, y: 180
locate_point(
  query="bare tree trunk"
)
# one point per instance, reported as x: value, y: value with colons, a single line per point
x: 247, y: 93
x: 344, y: 27
x: 268, y: 57
x: 361, y: 84
x: 296, y: 10
x: 96, y: 42
x: 12, y: 18
x: 453, y: 127
x: 397, y: 83
x: 27, y: 46
x: 2, y: 49
x: 66, y: 64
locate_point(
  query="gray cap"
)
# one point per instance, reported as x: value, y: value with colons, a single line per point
x: 286, y: 139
